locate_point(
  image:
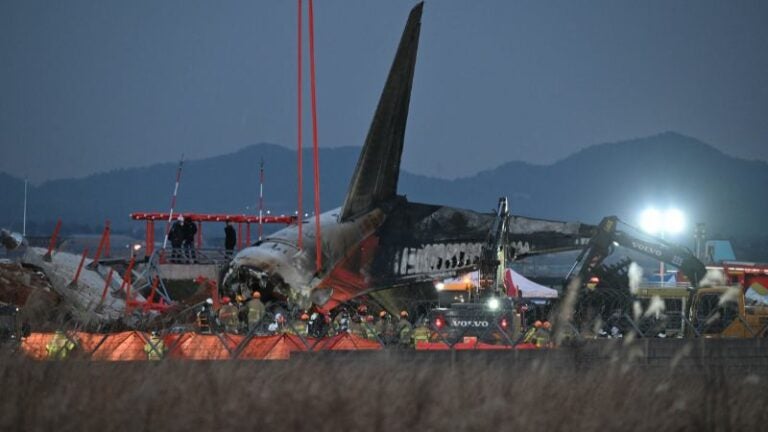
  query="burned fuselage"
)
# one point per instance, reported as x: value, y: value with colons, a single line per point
x: 387, y: 253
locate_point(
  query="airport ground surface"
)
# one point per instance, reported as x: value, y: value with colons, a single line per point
x: 604, y: 386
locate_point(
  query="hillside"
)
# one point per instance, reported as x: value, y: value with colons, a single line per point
x: 616, y: 178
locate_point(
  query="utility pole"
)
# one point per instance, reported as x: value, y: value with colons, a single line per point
x: 261, y: 198
x: 24, y: 218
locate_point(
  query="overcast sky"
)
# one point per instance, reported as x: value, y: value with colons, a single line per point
x: 88, y: 86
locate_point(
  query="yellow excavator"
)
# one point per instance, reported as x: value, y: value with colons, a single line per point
x: 706, y: 310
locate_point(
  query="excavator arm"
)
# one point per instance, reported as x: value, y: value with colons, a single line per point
x: 608, y: 235
x: 493, y: 252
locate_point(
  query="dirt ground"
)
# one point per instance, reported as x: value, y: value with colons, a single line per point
x: 374, y: 393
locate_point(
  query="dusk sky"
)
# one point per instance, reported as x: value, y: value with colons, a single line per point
x: 89, y: 86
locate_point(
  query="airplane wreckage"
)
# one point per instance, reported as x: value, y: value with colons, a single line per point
x: 377, y: 244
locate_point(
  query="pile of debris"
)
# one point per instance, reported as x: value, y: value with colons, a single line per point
x: 31, y: 291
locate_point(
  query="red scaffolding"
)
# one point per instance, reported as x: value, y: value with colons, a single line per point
x: 199, y: 218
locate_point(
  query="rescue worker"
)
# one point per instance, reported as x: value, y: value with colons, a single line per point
x: 176, y: 236
x: 384, y: 328
x: 155, y: 347
x: 341, y: 323
x: 242, y: 314
x: 189, y: 229
x: 421, y: 333
x: 60, y: 346
x: 278, y: 326
x: 369, y: 328
x: 255, y: 310
x: 528, y: 337
x: 302, y: 327
x: 230, y: 239
x: 204, y: 316
x: 356, y: 326
x: 228, y: 315
x: 542, y: 337
x: 404, y: 330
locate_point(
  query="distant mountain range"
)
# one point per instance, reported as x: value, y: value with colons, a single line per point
x: 622, y: 178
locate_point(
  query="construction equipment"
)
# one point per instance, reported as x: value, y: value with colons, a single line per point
x: 713, y: 311
x: 725, y: 312
x: 11, y: 329
x: 608, y: 236
x: 483, y: 310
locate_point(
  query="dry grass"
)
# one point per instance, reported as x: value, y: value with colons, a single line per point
x: 374, y: 392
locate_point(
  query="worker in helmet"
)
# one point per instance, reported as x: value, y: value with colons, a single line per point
x: 369, y: 327
x: 155, y: 347
x: 543, y: 335
x: 528, y: 337
x: 421, y: 333
x: 302, y: 327
x: 404, y: 330
x: 204, y: 316
x: 60, y: 346
x: 228, y: 315
x: 384, y: 327
x: 278, y: 325
x: 255, y: 311
x: 341, y: 323
x: 362, y: 311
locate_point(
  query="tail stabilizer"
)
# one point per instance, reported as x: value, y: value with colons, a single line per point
x: 378, y: 169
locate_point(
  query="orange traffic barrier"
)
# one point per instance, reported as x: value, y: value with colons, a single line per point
x: 33, y: 346
x: 277, y: 347
x: 348, y: 342
x: 194, y: 346
x: 123, y: 346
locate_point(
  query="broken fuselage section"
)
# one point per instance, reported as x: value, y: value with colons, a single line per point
x: 393, y: 254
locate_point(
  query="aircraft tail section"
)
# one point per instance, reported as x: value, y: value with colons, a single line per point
x: 378, y: 169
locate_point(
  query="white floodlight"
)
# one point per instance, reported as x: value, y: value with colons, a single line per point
x: 651, y: 221
x: 136, y: 247
x: 493, y: 303
x: 439, y: 286
x: 674, y: 221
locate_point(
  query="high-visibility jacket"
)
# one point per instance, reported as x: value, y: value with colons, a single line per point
x: 420, y: 334
x: 528, y: 337
x: 59, y: 347
x: 228, y: 317
x: 404, y: 331
x: 155, y: 348
x: 369, y: 330
x: 255, y: 311
x: 542, y: 337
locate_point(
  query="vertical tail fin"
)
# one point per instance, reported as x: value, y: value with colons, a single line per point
x: 378, y: 169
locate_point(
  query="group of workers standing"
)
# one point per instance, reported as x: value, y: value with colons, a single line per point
x: 62, y: 346
x: 182, y: 238
x: 243, y: 316
x: 540, y: 334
